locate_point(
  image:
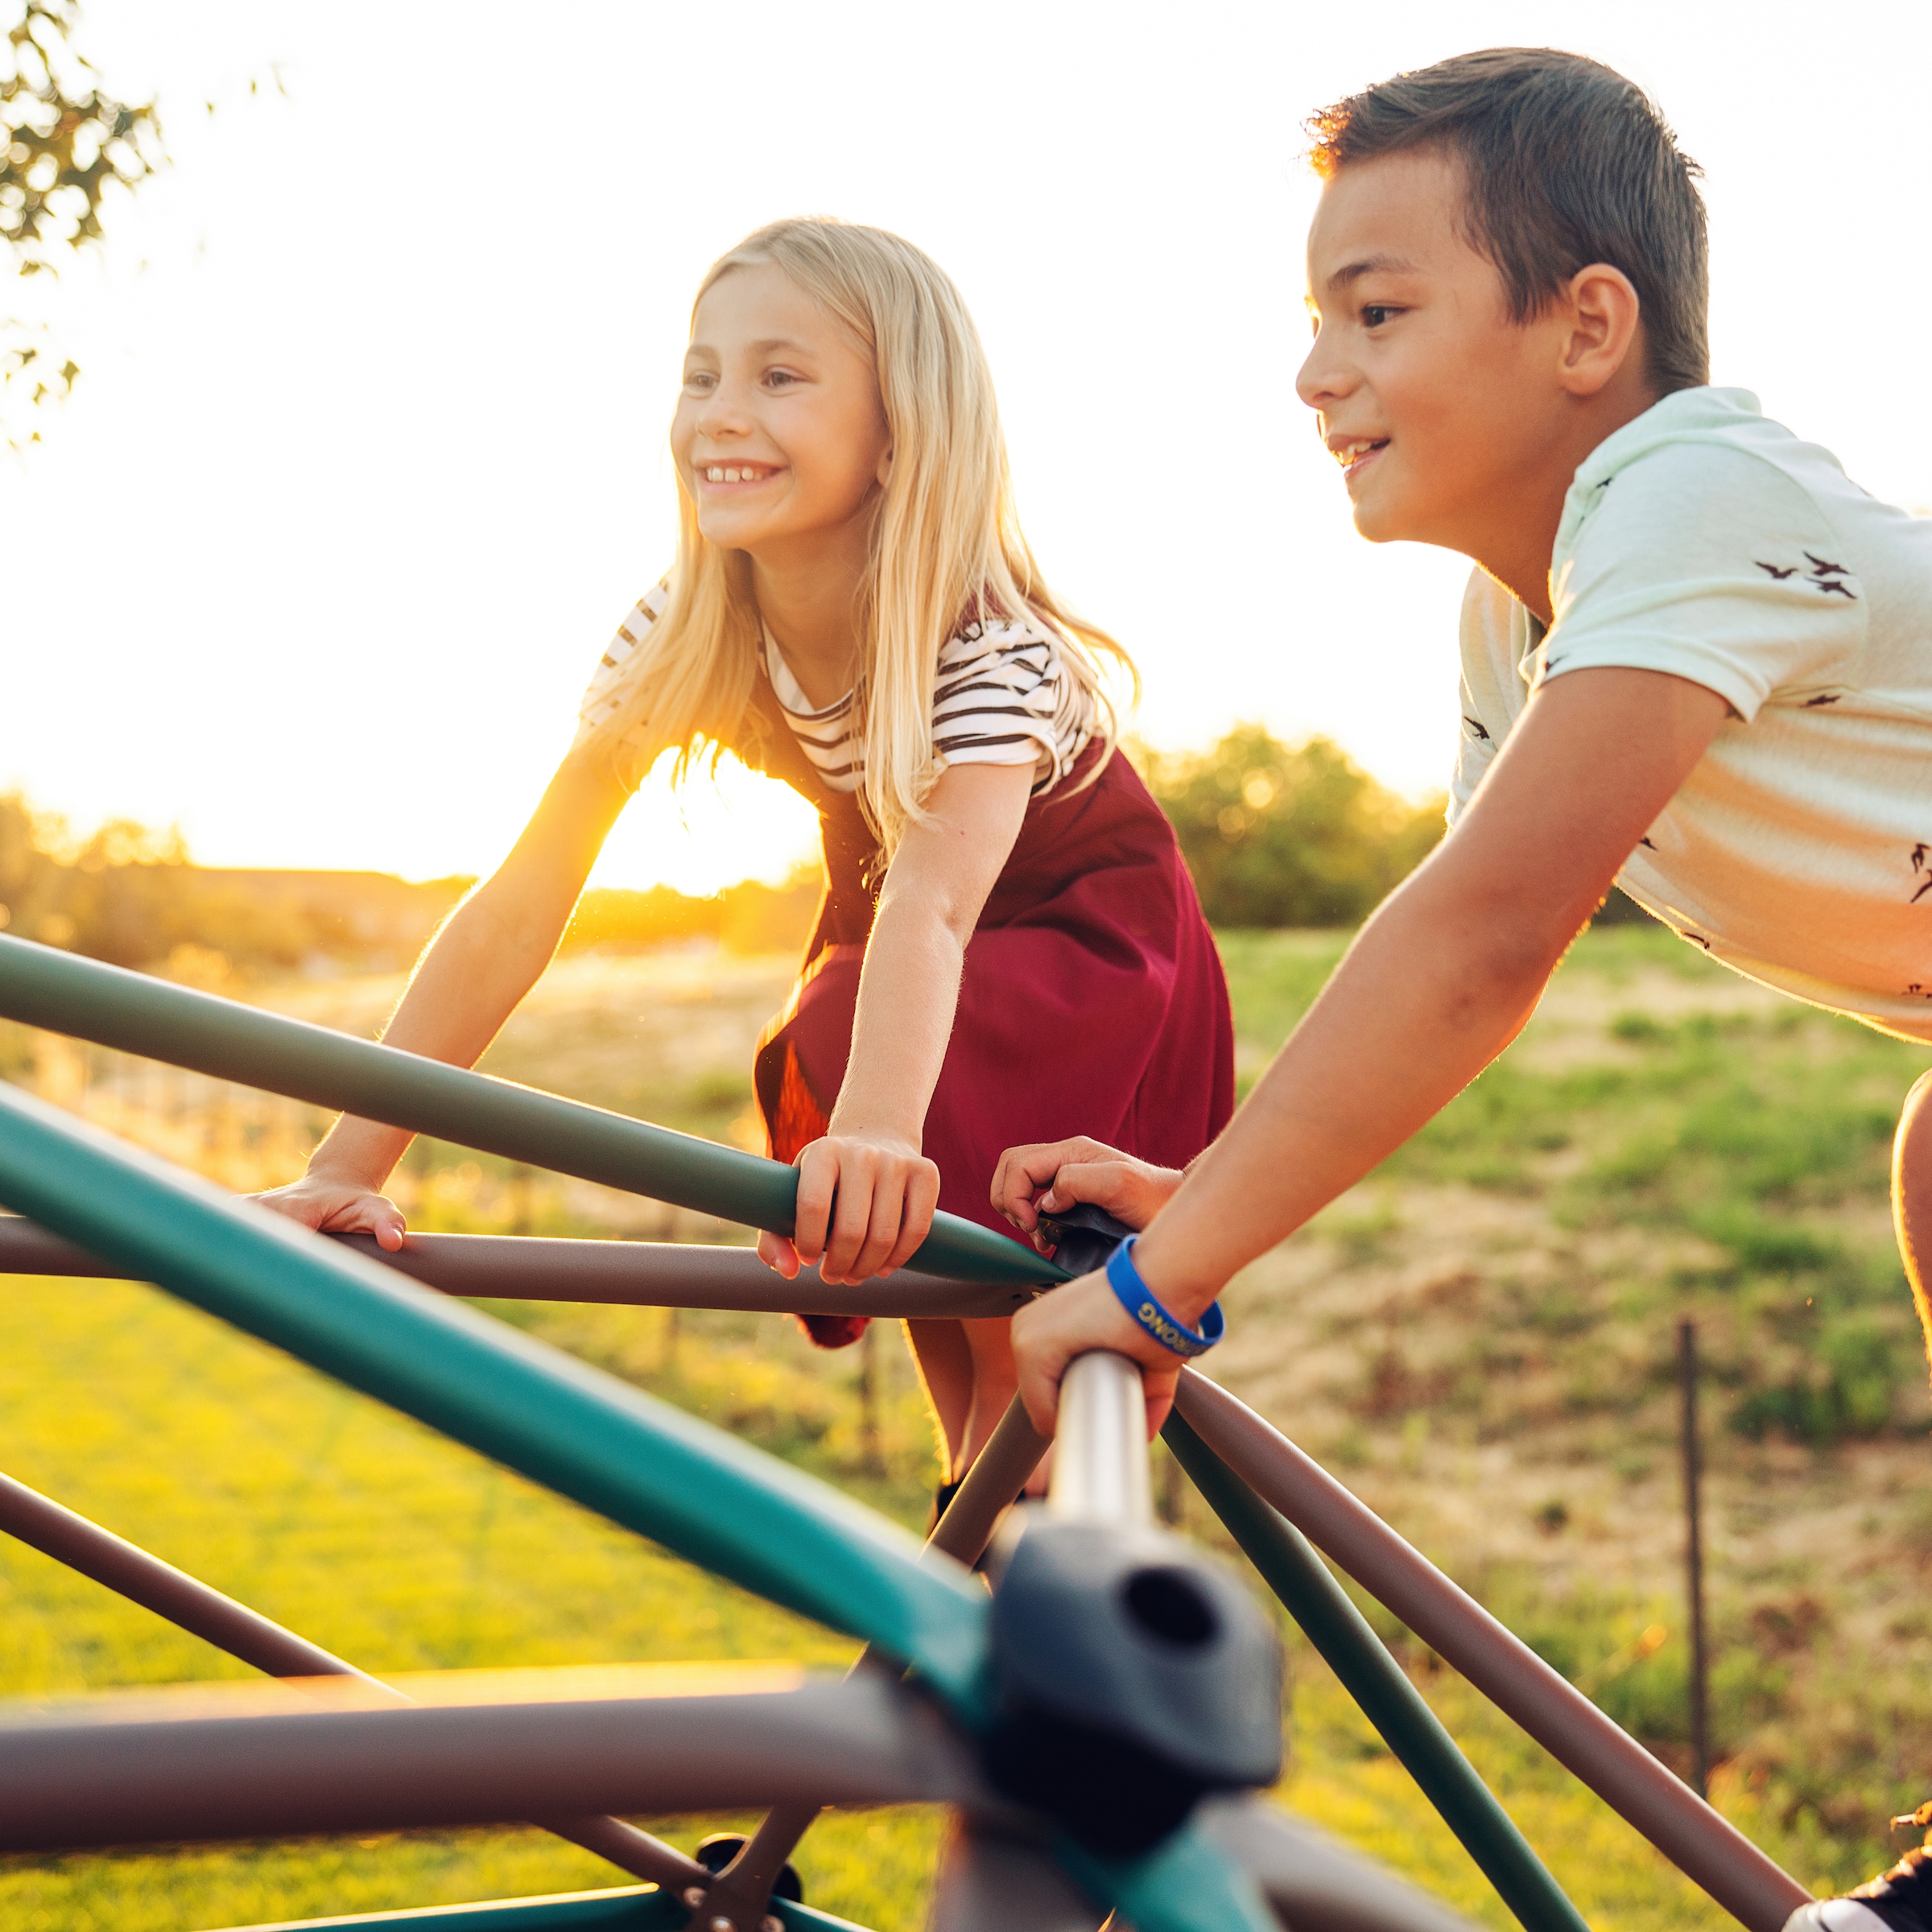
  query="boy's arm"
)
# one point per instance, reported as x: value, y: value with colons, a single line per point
x: 1438, y: 982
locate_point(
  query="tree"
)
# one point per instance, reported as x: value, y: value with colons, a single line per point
x: 1280, y: 835
x: 64, y: 146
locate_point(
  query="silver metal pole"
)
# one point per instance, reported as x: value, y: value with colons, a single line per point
x: 989, y: 1881
x: 1316, y: 1884
x: 998, y: 1475
x: 1100, y: 1461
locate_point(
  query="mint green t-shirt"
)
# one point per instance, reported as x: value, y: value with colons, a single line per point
x: 1703, y: 540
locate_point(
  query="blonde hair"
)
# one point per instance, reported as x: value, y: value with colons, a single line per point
x: 946, y: 547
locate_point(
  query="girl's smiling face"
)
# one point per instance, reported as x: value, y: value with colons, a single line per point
x: 780, y: 435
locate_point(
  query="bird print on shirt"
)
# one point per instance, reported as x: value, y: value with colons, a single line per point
x: 1826, y: 578
x: 1921, y: 862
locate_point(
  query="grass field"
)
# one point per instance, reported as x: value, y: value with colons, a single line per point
x: 1478, y: 1338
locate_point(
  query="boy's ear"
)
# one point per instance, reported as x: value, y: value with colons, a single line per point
x: 1604, y: 336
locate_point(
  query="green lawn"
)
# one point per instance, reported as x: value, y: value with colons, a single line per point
x: 1673, y: 1148
x: 370, y: 1535
x: 391, y: 1546
x: 1491, y: 1319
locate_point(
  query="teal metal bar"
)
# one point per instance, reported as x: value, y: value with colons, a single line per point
x: 1186, y: 1885
x: 796, y: 1918
x: 647, y: 1909
x: 644, y: 1908
x: 42, y: 986
x: 577, y: 1430
x: 1290, y: 1567
x: 583, y: 1433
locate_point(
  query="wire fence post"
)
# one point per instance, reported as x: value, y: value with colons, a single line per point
x: 870, y: 1370
x: 1694, y: 1557
x: 1173, y: 1502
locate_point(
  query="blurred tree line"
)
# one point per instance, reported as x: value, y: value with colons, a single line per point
x: 1275, y: 834
x: 1287, y: 834
x: 135, y: 896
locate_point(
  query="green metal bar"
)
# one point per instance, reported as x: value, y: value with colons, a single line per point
x: 577, y: 1430
x: 42, y: 986
x: 1289, y: 1565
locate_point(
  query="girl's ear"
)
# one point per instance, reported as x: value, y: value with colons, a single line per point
x: 885, y: 467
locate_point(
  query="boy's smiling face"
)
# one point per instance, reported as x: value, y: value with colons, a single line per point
x: 1455, y: 423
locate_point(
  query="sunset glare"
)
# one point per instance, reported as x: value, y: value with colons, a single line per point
x: 367, y: 458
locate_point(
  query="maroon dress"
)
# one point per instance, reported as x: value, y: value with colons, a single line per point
x: 1092, y: 1000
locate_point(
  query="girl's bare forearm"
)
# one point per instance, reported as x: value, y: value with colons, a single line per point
x: 470, y: 982
x: 488, y: 954
x: 907, y: 995
x: 1426, y: 998
x: 910, y: 988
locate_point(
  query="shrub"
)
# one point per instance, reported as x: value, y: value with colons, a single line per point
x: 1846, y: 1388
x: 1281, y: 835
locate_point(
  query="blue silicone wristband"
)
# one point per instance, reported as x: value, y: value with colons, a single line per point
x: 1139, y: 1301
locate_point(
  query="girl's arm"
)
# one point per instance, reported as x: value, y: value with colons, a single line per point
x: 885, y: 1189
x: 486, y: 958
x: 1438, y: 982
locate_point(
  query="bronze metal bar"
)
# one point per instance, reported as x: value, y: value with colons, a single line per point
x: 193, y: 1606
x: 1708, y: 1849
x: 133, y: 1769
x: 653, y: 1275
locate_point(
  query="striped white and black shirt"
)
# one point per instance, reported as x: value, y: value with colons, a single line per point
x: 1003, y: 697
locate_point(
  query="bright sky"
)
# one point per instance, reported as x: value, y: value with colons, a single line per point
x: 368, y: 455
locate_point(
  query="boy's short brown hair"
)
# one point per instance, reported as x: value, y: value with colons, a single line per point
x: 1568, y: 163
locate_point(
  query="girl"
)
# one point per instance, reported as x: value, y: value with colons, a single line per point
x: 854, y: 610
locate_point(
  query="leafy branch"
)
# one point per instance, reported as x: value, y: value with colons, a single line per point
x: 65, y: 145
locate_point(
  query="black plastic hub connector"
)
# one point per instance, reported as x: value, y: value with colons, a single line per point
x: 716, y: 1852
x: 1083, y: 1236
x: 1134, y: 1676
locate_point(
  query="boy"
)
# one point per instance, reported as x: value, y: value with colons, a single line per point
x: 1697, y: 661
